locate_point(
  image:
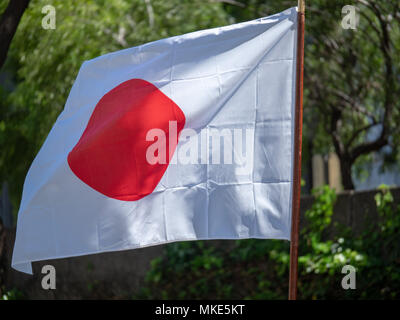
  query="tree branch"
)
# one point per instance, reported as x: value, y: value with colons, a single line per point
x: 357, y: 132
x: 8, y: 25
x: 354, y: 104
x: 231, y: 2
x: 389, y: 87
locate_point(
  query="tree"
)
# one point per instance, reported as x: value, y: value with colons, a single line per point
x: 351, y: 79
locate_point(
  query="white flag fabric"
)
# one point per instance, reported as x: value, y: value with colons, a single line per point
x: 185, y: 138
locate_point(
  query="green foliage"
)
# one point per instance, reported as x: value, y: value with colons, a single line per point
x: 383, y: 241
x: 189, y: 259
x: 258, y: 269
x: 320, y: 214
x: 12, y: 294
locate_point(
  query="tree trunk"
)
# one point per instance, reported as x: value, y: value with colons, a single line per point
x: 8, y: 25
x: 345, y: 168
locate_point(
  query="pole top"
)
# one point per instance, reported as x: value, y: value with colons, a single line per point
x: 302, y: 6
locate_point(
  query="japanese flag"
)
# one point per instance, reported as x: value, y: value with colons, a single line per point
x: 184, y: 138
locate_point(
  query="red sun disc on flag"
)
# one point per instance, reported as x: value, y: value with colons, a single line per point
x: 110, y: 156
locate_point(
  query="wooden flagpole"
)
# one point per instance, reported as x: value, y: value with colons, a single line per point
x: 294, y: 238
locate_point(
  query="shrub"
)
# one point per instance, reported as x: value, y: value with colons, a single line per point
x: 258, y: 269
